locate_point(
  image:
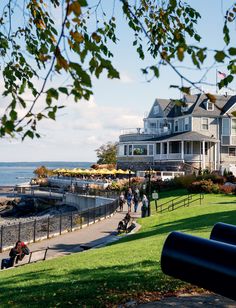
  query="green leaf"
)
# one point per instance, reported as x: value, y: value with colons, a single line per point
x: 29, y: 133
x: 219, y: 56
x: 9, y: 127
x: 185, y: 90
x: 13, y: 115
x: 232, y: 51
x: 155, y: 70
x: 226, y: 34
x: 52, y: 93
x: 63, y: 90
x: 83, y: 2
x: 51, y: 115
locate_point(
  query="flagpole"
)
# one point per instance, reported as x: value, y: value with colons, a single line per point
x: 216, y: 82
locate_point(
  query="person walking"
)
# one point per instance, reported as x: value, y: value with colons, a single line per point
x: 130, y: 197
x: 121, y: 201
x: 144, y: 207
x: 136, y: 199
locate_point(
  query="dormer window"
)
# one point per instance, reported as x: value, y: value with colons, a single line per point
x: 156, y: 109
x: 209, y: 106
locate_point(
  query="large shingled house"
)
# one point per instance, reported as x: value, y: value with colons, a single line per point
x: 199, y: 134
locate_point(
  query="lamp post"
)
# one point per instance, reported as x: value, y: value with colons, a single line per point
x: 129, y: 176
x: 149, y: 191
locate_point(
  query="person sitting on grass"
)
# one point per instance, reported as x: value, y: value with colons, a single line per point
x: 21, y: 250
x: 16, y: 254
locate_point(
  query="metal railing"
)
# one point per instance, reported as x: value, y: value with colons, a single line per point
x: 178, y: 202
x: 46, y: 227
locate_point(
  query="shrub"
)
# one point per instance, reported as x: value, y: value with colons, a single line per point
x: 227, y: 189
x: 184, y: 181
x: 206, y: 186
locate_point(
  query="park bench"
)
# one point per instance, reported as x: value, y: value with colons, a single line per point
x: 208, y: 263
x: 34, y: 256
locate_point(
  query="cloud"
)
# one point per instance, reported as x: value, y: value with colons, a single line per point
x: 126, y: 78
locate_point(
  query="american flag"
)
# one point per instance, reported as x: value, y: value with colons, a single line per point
x: 221, y: 75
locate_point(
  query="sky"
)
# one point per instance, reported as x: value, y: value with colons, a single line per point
x: 82, y: 127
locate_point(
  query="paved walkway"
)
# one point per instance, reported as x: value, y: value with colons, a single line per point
x: 97, y: 234
x: 192, y: 301
x: 104, y: 232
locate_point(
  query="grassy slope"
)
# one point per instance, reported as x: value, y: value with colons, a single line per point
x: 127, y: 268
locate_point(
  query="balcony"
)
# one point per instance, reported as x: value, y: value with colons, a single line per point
x: 177, y: 156
x: 136, y: 134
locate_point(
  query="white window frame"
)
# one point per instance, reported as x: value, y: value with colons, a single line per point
x: 232, y: 148
x: 186, y: 124
x: 228, y: 126
x: 212, y: 106
x: 204, y: 124
x: 176, y: 122
x: 234, y: 134
x: 158, y: 143
x: 148, y: 152
x: 156, y: 109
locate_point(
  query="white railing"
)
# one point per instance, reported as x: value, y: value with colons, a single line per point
x: 131, y: 131
x: 147, y: 131
x: 172, y: 156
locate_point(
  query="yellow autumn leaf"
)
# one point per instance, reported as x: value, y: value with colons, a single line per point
x: 78, y: 37
x: 62, y: 63
x: 75, y: 8
x: 211, y: 97
x: 96, y: 38
x: 44, y: 58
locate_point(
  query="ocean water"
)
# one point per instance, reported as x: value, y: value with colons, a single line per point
x: 21, y: 172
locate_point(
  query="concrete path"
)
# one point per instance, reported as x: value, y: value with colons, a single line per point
x: 97, y: 234
x: 192, y: 301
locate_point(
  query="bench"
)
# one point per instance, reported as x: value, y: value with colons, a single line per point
x: 208, y: 263
x: 32, y: 257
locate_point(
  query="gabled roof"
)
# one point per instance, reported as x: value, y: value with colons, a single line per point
x: 196, y: 104
x: 163, y: 104
x: 230, y: 103
x: 200, y: 109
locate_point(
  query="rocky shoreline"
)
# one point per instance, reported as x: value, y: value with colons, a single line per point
x: 11, y: 213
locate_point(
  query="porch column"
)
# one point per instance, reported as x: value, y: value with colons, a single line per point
x: 209, y: 155
x: 182, y: 149
x: 203, y: 155
x: 215, y: 156
x: 161, y: 149
x: 168, y: 149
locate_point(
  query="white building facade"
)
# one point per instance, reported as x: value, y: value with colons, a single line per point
x: 199, y: 134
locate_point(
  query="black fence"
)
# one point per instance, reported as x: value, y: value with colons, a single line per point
x: 44, y: 228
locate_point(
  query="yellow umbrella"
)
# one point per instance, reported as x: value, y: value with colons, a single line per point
x: 120, y: 171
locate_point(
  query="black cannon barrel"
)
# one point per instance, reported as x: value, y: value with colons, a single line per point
x: 207, y: 263
x: 224, y: 233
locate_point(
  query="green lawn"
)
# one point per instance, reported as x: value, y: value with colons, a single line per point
x: 127, y: 269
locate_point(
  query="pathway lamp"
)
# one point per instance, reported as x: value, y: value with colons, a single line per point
x: 129, y: 176
x: 149, y: 191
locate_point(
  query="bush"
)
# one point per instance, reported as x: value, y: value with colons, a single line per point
x: 205, y: 186
x: 227, y: 189
x: 184, y: 181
